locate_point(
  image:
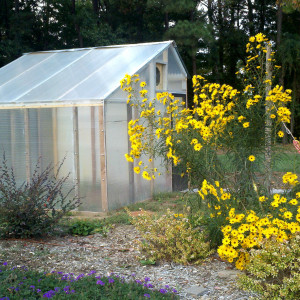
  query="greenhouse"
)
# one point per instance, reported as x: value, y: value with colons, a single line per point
x: 68, y: 105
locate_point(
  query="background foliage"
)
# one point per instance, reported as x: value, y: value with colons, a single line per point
x: 210, y: 34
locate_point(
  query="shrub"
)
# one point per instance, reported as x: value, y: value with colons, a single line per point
x: 86, y: 227
x: 34, y: 208
x: 274, y: 270
x: 20, y: 283
x: 171, y: 237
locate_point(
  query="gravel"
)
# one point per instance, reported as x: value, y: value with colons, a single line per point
x: 117, y: 253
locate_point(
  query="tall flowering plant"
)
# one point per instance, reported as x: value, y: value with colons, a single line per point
x: 219, y: 143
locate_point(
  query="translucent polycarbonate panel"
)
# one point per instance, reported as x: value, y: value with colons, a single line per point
x: 90, y: 188
x: 173, y: 63
x: 162, y: 183
x: 142, y: 187
x: 44, y: 125
x: 21, y: 65
x: 160, y: 58
x: 121, y: 96
x: 176, y: 85
x: 67, y: 80
x: 118, y: 189
x: 40, y: 148
x: 6, y: 136
x: 107, y: 78
x: 25, y: 83
x: 12, y: 142
x: 63, y: 147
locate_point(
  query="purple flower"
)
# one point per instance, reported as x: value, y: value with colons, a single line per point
x: 66, y: 288
x: 110, y: 280
x: 138, y: 282
x: 133, y: 274
x: 174, y: 291
x: 166, y: 286
x: 38, y: 290
x: 56, y: 289
x: 32, y: 287
x: 5, y: 264
x: 98, y: 277
x: 79, y: 276
x: 149, y: 285
x: 147, y: 279
x: 100, y: 282
x: 147, y: 295
x: 163, y: 291
x: 49, y: 294
x: 92, y: 272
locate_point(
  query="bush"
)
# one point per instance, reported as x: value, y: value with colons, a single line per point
x: 33, y: 209
x: 171, y: 237
x: 274, y: 270
x: 87, y: 227
x: 20, y: 283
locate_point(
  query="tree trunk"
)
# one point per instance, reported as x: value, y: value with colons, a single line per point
x: 250, y: 17
x: 5, y: 14
x: 279, y: 24
x: 268, y: 126
x: 221, y: 39
x: 166, y: 21
x: 77, y: 27
x: 96, y: 7
x: 262, y: 16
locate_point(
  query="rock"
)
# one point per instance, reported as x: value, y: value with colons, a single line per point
x: 229, y: 274
x: 197, y: 290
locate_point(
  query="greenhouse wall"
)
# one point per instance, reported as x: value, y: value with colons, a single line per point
x: 67, y: 106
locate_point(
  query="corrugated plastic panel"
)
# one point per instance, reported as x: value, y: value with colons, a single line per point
x: 72, y: 75
x: 21, y: 65
x: 89, y: 163
x: 24, y: 85
x: 116, y: 146
x: 107, y: 78
x: 56, y: 87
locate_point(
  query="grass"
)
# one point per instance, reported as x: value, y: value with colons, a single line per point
x: 20, y: 283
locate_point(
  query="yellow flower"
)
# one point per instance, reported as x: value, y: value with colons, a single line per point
x: 262, y: 199
x: 287, y: 215
x: 293, y: 202
x: 137, y: 169
x: 246, y: 124
x: 143, y: 84
x: 198, y: 147
x: 146, y: 175
x: 272, y: 116
x: 128, y: 157
x: 280, y: 133
x: 251, y: 158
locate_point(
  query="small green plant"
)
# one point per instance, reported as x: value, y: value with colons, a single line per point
x: 86, y: 227
x: 171, y: 237
x: 274, y: 270
x: 120, y: 217
x: 34, y: 208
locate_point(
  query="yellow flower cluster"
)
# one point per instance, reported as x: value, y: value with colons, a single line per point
x: 249, y: 230
x: 290, y: 178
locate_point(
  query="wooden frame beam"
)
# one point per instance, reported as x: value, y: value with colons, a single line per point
x: 103, y: 167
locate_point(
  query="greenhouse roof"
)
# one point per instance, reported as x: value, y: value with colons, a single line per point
x: 74, y: 76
